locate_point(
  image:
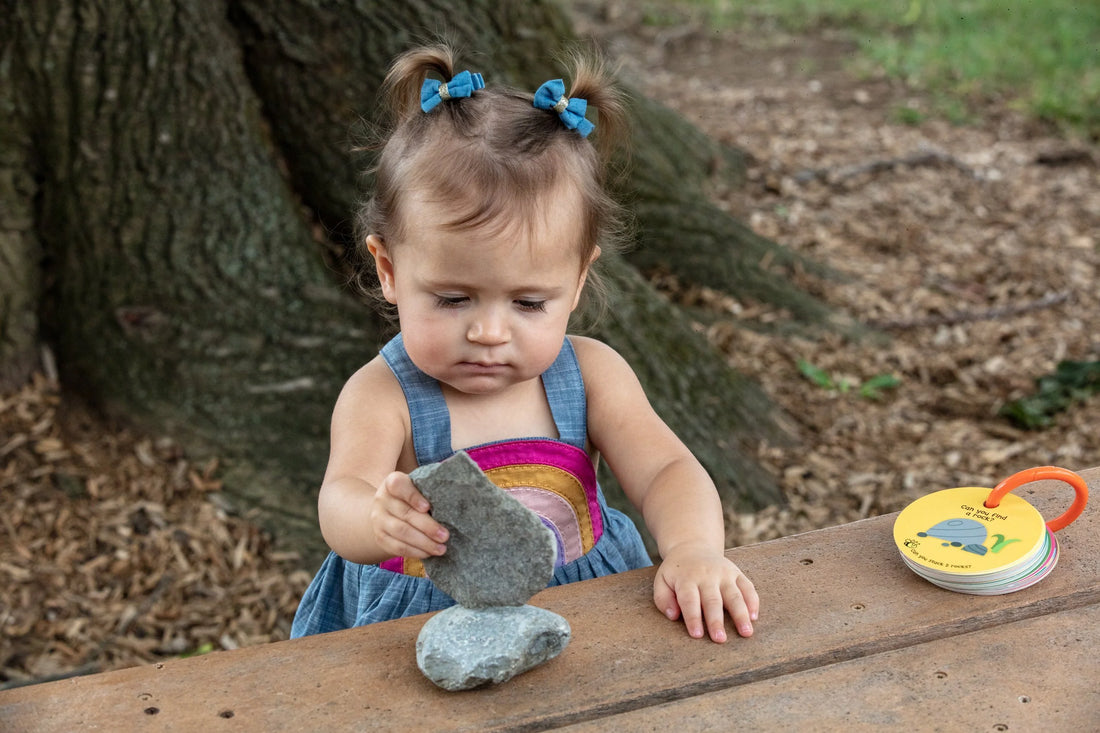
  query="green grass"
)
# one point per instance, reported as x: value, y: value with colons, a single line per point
x: 1043, y: 56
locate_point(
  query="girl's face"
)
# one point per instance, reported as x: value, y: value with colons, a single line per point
x: 481, y: 311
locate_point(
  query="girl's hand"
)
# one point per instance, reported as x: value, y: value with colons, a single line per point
x: 400, y: 520
x: 702, y: 585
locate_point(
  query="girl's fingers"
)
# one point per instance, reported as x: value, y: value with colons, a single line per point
x: 665, y: 600
x: 714, y: 611
x: 742, y: 603
x: 417, y: 544
x: 704, y: 599
x: 404, y: 520
x: 752, y: 599
x: 399, y: 486
x: 425, y: 524
x: 691, y: 608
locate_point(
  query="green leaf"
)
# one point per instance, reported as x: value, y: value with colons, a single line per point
x: 816, y: 375
x: 872, y: 389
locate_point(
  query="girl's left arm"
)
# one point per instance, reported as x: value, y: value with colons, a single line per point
x: 675, y: 495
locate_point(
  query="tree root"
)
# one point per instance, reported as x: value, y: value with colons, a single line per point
x: 987, y: 314
x: 924, y: 156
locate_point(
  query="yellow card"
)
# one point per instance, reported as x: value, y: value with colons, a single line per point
x: 952, y: 532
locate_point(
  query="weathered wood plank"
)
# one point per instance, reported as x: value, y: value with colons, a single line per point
x: 828, y: 596
x: 1031, y: 675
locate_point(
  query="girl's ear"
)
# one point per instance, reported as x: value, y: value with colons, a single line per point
x: 584, y: 277
x: 383, y: 264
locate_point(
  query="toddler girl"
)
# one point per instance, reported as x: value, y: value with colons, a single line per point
x: 488, y: 214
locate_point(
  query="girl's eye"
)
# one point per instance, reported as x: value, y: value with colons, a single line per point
x: 534, y: 306
x: 450, y: 301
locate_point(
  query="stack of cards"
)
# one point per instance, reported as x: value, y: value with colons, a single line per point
x: 954, y: 539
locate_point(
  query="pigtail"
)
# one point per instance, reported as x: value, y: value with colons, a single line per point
x: 401, y: 87
x: 608, y: 223
x: 593, y: 80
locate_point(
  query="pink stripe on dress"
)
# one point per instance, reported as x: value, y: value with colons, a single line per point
x: 558, y: 512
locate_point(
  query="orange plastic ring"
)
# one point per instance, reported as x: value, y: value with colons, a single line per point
x: 1080, y: 488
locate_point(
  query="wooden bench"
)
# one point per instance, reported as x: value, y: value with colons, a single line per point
x: 849, y: 638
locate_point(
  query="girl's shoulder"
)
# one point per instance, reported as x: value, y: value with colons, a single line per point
x: 588, y: 348
x: 620, y: 416
x: 373, y: 384
x: 599, y: 363
x: 371, y: 407
x: 375, y: 374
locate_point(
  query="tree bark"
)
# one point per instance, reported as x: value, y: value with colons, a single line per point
x: 181, y: 175
x: 20, y: 252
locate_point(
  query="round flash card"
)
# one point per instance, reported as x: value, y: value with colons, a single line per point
x: 952, y: 531
x: 984, y: 541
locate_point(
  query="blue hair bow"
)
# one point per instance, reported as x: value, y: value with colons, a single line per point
x: 551, y: 96
x: 463, y: 84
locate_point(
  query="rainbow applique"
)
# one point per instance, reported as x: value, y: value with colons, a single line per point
x: 553, y: 479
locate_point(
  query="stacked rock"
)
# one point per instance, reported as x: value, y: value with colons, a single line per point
x: 499, y: 555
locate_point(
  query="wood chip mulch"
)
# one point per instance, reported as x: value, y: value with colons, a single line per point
x: 115, y: 550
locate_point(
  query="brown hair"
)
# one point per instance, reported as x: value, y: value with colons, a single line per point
x: 493, y: 155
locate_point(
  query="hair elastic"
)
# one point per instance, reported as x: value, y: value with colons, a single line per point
x: 551, y: 97
x: 462, y: 85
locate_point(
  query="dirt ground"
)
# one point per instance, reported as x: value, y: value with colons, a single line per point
x: 974, y: 248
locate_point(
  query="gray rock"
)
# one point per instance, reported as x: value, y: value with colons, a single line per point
x: 499, y: 552
x: 463, y: 648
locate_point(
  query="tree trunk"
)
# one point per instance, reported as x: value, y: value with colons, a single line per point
x: 681, y: 231
x: 181, y: 174
x: 20, y: 254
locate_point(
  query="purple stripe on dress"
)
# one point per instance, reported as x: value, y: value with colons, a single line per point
x: 559, y: 558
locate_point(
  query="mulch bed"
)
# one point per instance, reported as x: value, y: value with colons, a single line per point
x: 116, y: 550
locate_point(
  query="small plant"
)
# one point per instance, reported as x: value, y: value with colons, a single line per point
x: 1072, y: 381
x: 872, y: 389
x: 198, y: 651
x: 907, y: 115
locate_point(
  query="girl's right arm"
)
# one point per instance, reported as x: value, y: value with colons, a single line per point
x: 368, y: 509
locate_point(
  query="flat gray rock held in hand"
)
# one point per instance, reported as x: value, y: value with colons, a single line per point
x: 499, y: 552
x: 463, y: 648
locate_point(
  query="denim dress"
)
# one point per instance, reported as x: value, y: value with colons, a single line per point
x: 554, y: 478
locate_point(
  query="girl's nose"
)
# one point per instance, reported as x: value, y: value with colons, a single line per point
x: 489, y: 328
